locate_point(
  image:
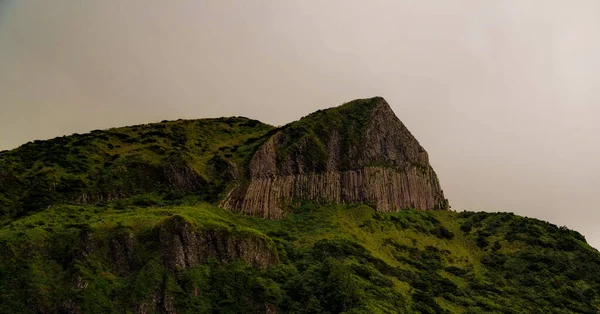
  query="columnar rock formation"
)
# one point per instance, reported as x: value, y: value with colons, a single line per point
x: 356, y: 153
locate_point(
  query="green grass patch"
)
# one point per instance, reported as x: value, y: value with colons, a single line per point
x: 331, y: 259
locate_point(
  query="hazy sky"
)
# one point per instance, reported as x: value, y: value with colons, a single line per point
x: 505, y: 95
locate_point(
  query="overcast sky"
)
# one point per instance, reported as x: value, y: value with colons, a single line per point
x: 504, y: 95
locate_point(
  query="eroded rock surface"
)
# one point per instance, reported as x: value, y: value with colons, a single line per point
x: 357, y: 153
x: 177, y: 245
x: 185, y: 246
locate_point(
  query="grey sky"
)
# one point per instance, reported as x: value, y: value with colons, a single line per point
x: 505, y: 95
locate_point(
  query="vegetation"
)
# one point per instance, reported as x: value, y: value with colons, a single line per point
x: 332, y: 259
x: 122, y: 221
x: 170, y: 159
x: 305, y: 138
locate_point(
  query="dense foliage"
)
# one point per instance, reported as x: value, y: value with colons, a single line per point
x: 308, y: 134
x: 170, y: 159
x: 332, y: 259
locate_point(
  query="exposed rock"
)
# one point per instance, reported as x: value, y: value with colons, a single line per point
x: 181, y: 244
x: 80, y: 283
x: 359, y: 152
x: 182, y: 177
x: 122, y: 248
x: 70, y: 307
x: 178, y: 245
x: 383, y: 188
x: 185, y: 245
x: 271, y: 309
x: 140, y: 178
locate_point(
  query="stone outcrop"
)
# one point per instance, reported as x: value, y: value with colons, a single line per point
x: 134, y: 178
x: 176, y: 245
x: 184, y: 246
x: 181, y: 245
x: 357, y: 153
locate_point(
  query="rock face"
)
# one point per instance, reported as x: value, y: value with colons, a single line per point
x: 185, y: 246
x: 181, y: 245
x: 358, y: 152
x: 176, y: 245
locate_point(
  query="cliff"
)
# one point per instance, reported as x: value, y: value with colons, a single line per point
x: 123, y: 221
x: 185, y: 245
x: 332, y: 259
x: 359, y: 152
x: 158, y: 260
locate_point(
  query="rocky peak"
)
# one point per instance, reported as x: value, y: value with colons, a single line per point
x: 360, y: 133
x: 326, y: 156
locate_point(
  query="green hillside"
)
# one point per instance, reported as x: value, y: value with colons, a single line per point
x: 127, y: 220
x: 332, y: 259
x: 168, y: 159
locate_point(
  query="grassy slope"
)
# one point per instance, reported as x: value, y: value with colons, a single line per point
x: 119, y: 161
x: 342, y: 258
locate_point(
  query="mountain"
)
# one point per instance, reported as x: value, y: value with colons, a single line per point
x: 356, y: 153
x: 170, y: 218
x: 167, y: 160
